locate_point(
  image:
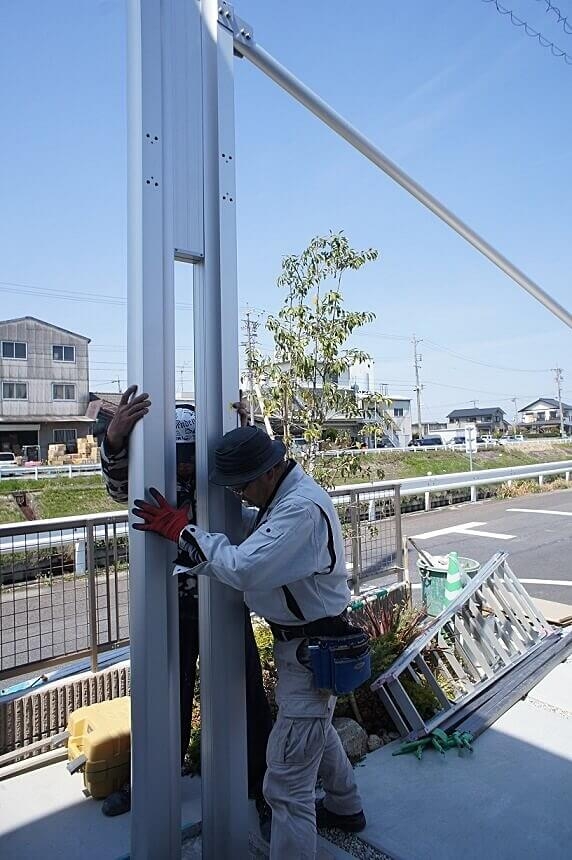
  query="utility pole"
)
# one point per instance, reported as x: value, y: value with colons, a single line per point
x: 417, y: 358
x: 515, y: 414
x: 558, y: 378
x: 250, y: 328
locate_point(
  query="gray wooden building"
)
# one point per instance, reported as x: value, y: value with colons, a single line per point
x: 44, y: 385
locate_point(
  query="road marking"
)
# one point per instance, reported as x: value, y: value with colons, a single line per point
x: 547, y: 582
x: 540, y: 511
x: 463, y: 529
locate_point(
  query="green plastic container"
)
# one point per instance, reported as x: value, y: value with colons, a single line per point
x: 433, y: 581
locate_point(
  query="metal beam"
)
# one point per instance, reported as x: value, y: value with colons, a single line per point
x: 155, y: 755
x: 223, y: 710
x: 247, y: 47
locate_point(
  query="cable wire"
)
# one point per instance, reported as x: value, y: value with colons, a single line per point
x: 534, y: 34
x: 561, y: 19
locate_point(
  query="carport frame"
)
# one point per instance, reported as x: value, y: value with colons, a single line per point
x: 182, y: 204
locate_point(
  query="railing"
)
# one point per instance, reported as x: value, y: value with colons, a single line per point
x: 34, y: 473
x: 64, y: 591
x: 428, y: 485
x: 64, y: 583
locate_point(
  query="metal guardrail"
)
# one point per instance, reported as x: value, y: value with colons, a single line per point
x: 64, y: 583
x: 34, y: 473
x: 430, y: 484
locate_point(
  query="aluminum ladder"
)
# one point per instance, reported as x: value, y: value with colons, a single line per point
x: 487, y: 630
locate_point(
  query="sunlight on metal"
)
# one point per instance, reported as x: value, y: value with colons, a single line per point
x: 247, y: 47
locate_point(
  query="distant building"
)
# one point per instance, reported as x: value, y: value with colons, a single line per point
x: 487, y: 420
x: 44, y: 374
x: 543, y: 415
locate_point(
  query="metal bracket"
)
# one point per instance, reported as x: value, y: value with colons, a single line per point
x: 241, y: 31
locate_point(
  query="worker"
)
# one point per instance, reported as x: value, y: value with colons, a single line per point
x: 114, y: 461
x: 292, y: 569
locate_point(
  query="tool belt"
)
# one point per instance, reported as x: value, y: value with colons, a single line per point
x: 336, y: 625
x: 340, y: 654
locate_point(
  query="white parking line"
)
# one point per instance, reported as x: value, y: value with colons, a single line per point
x: 463, y: 529
x: 540, y: 511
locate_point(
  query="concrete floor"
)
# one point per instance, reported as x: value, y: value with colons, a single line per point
x: 509, y: 799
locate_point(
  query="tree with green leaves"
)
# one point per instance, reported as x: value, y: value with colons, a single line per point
x: 310, y: 332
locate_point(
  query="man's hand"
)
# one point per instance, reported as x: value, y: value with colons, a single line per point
x: 243, y: 410
x: 163, y: 519
x: 130, y: 410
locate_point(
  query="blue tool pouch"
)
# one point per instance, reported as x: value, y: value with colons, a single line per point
x: 340, y: 664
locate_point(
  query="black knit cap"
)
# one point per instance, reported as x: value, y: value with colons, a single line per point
x: 245, y: 454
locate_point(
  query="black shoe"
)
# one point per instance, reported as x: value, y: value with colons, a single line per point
x: 348, y: 823
x: 264, y: 818
x: 119, y: 802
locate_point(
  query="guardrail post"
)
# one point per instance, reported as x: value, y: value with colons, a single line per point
x: 354, y: 519
x: 540, y: 480
x: 473, y: 492
x: 427, y: 500
x: 399, y: 558
x: 567, y: 477
x: 91, y: 595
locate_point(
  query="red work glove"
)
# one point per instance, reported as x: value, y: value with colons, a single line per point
x: 163, y: 518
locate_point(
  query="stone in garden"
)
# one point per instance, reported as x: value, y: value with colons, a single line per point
x: 373, y: 743
x: 352, y: 736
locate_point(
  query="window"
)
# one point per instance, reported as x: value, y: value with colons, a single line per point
x: 14, y: 349
x: 15, y: 390
x: 64, y: 435
x: 62, y: 392
x: 63, y: 353
x: 398, y: 412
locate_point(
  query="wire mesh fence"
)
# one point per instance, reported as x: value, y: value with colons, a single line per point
x: 371, y: 524
x: 63, y: 591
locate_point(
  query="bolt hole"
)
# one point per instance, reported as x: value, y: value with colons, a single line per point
x: 156, y: 185
x: 147, y: 135
x: 148, y: 181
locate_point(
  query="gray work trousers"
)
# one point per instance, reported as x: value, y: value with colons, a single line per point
x: 302, y: 745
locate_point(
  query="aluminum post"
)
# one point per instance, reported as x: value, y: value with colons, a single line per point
x: 247, y: 47
x: 155, y: 756
x: 223, y: 712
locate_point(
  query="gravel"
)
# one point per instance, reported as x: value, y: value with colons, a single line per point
x: 352, y: 843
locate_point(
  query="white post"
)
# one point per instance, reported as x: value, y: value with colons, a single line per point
x: 427, y: 501
x: 540, y: 480
x: 473, y: 493
x: 155, y: 754
x: 223, y: 716
x: 79, y: 557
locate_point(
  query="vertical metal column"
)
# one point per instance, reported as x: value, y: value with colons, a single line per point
x: 223, y: 736
x: 155, y: 819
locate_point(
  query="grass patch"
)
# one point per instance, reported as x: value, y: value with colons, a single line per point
x: 58, y: 497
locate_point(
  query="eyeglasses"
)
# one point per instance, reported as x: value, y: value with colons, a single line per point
x: 238, y: 491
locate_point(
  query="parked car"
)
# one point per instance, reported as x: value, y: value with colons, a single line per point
x: 8, y: 460
x: 507, y: 440
x: 426, y: 441
x: 488, y: 440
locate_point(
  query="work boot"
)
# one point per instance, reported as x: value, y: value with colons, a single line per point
x: 348, y: 823
x: 119, y: 802
x: 264, y: 818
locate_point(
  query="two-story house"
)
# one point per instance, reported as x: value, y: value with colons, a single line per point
x: 543, y: 415
x: 486, y: 420
x: 44, y: 385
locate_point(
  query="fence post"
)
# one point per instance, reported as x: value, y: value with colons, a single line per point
x: 540, y: 480
x: 354, y: 519
x: 79, y: 557
x: 473, y: 492
x: 427, y: 501
x: 567, y: 477
x: 399, y: 557
x: 91, y: 595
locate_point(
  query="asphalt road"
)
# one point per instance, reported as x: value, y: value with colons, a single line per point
x: 536, y: 532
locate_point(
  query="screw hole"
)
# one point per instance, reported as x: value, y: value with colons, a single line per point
x: 147, y: 182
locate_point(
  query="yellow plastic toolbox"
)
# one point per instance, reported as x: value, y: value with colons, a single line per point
x: 100, y: 745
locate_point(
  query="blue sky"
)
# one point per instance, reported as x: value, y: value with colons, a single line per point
x: 461, y: 100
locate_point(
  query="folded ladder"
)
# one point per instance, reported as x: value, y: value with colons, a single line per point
x: 488, y: 629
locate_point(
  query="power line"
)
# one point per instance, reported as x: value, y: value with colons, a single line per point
x: 561, y: 19
x: 433, y: 345
x: 534, y: 34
